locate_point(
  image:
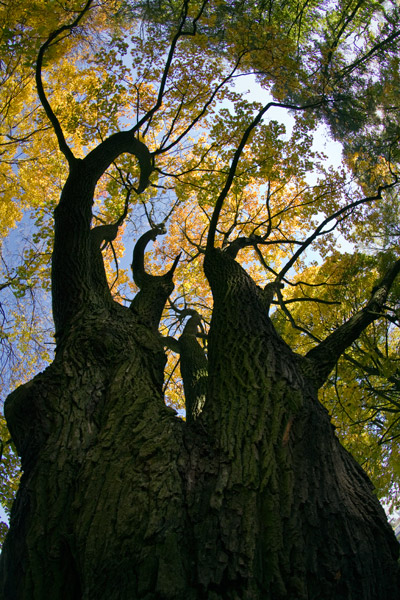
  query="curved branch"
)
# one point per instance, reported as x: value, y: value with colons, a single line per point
x: 138, y: 270
x: 101, y: 157
x: 65, y: 149
x: 75, y: 244
x: 325, y: 356
x: 149, y: 302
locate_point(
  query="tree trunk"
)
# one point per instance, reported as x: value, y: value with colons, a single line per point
x: 297, y: 516
x: 99, y: 513
x: 122, y: 500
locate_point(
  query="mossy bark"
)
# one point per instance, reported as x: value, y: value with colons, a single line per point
x: 100, y: 510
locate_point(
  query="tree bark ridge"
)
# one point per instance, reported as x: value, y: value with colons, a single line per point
x: 284, y: 479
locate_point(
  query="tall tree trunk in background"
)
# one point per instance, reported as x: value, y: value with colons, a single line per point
x: 121, y: 500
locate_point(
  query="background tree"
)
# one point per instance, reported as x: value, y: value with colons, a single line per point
x: 238, y: 501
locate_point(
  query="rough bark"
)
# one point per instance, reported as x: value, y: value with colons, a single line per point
x: 122, y: 500
x: 77, y: 281
x: 194, y: 369
x: 253, y: 498
x: 296, y: 516
x: 101, y: 496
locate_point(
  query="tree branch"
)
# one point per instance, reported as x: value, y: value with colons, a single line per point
x: 235, y: 161
x: 138, y: 269
x: 325, y: 356
x: 370, y: 54
x: 101, y: 157
x: 339, y: 213
x: 149, y: 302
x: 180, y: 33
x: 65, y: 149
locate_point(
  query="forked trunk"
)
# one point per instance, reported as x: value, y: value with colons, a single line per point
x: 255, y: 499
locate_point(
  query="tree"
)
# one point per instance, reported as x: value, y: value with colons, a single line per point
x: 252, y: 496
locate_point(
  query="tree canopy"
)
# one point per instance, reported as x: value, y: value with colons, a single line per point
x: 150, y: 96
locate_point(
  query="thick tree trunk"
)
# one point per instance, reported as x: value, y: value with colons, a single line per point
x: 100, y: 512
x: 253, y: 498
x: 121, y: 500
x: 295, y: 516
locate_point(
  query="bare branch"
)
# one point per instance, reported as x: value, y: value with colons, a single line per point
x: 65, y: 149
x: 203, y: 111
x: 293, y: 323
x: 336, y: 215
x: 180, y: 33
